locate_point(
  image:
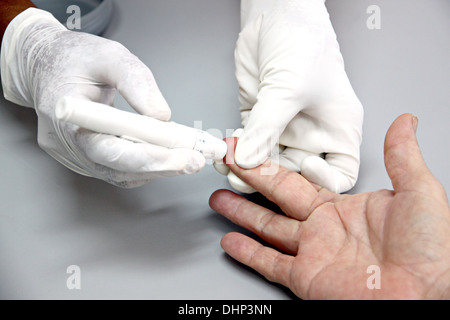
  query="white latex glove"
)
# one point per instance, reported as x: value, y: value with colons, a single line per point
x: 41, y: 61
x: 297, y: 104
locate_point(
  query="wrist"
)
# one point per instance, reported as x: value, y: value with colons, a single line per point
x: 23, y: 38
x: 9, y: 9
x: 251, y: 9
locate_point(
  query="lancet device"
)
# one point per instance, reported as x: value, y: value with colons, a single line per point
x: 138, y: 128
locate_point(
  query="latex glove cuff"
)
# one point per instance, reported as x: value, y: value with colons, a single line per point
x: 14, y: 58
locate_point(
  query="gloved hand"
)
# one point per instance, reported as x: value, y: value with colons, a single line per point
x: 297, y: 104
x: 41, y: 61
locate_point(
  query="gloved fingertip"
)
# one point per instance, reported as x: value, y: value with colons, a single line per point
x: 253, y: 149
x: 245, y: 157
x: 239, y: 185
x: 156, y: 107
x: 195, y: 163
x: 237, y: 133
x: 140, y: 90
x: 221, y: 167
x: 249, y: 157
x: 318, y: 171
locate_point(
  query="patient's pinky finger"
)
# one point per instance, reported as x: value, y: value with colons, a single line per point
x: 273, y: 265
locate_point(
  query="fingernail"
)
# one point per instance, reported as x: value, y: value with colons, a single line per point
x: 415, y: 123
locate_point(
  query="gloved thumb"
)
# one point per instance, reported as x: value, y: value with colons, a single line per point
x: 403, y: 158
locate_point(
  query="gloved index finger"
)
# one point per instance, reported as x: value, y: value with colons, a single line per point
x: 121, y: 69
x: 105, y: 119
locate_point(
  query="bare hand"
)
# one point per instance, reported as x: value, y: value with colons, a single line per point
x: 327, y: 241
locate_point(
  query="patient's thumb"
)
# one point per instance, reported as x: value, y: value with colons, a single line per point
x: 402, y: 155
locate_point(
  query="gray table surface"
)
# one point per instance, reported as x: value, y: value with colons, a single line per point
x: 161, y: 241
